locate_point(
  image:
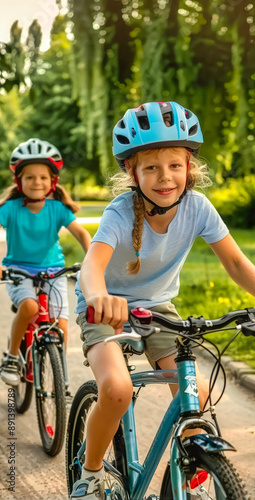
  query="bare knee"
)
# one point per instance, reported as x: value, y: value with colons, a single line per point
x: 116, y: 394
x: 28, y: 309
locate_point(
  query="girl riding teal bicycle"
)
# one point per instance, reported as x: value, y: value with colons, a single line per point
x: 32, y: 211
x: 136, y: 257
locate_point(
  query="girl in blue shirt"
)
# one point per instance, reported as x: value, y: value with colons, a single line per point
x: 136, y: 258
x: 33, y: 211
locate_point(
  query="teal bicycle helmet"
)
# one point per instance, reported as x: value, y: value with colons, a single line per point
x: 32, y: 151
x: 155, y: 125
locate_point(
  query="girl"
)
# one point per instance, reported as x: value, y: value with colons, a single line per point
x: 33, y: 211
x: 136, y: 257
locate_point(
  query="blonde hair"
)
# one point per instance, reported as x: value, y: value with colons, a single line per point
x: 60, y: 194
x: 198, y: 176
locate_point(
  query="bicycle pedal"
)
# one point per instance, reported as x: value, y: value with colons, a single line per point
x: 153, y: 497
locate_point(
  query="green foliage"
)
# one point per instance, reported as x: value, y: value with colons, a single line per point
x: 207, y: 290
x: 108, y: 55
x: 12, y: 118
x: 213, y: 300
x: 72, y: 249
x: 235, y: 201
x: 198, y: 53
x: 12, y: 60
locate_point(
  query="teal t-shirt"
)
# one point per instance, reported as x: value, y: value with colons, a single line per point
x: 33, y: 238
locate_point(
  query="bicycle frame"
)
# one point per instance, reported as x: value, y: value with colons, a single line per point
x: 182, y: 413
x: 140, y: 475
x: 187, y: 453
x: 36, y: 336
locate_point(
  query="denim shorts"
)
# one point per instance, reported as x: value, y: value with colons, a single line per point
x: 157, y: 346
x: 58, y: 303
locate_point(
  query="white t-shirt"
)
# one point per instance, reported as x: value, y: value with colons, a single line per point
x: 162, y: 255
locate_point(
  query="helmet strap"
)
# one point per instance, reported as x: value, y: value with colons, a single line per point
x: 30, y: 200
x: 157, y: 210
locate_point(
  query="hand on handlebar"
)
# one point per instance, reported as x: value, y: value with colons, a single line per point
x: 108, y: 310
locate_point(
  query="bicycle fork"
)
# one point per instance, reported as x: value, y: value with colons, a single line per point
x: 46, y: 333
x: 181, y: 462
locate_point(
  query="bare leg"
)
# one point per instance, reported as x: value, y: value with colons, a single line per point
x: 27, y: 311
x: 115, y: 392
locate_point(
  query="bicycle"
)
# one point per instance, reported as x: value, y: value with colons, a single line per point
x: 198, y: 467
x: 42, y: 362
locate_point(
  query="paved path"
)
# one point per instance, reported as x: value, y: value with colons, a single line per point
x: 41, y: 477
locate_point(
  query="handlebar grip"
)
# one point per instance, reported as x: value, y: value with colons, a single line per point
x: 5, y: 274
x: 248, y: 329
x: 90, y: 314
x: 76, y: 267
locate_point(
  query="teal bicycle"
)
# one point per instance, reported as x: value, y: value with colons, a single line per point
x: 198, y: 468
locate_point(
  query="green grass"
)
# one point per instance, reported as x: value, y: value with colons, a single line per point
x: 206, y: 289
x: 91, y: 209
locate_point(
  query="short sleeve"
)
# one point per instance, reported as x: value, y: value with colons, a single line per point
x: 67, y: 216
x: 210, y: 225
x: 109, y: 228
x: 5, y: 214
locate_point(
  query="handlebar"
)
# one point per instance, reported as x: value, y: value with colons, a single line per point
x: 140, y: 319
x: 16, y: 275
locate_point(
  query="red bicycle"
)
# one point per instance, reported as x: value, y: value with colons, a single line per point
x: 43, y: 362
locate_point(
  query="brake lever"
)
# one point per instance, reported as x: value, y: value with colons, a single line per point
x: 124, y: 336
x: 8, y: 279
x: 248, y: 328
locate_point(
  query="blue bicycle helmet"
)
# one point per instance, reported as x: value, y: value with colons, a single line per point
x: 155, y: 125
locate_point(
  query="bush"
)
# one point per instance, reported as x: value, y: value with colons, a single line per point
x: 213, y: 300
x: 235, y: 201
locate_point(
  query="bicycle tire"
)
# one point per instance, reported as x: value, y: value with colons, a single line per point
x: 220, y: 473
x: 50, y: 401
x: 23, y: 391
x: 83, y: 403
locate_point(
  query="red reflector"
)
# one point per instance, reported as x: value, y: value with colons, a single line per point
x: 49, y: 430
x: 198, y: 479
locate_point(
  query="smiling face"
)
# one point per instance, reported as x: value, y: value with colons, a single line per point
x: 36, y: 180
x: 162, y: 175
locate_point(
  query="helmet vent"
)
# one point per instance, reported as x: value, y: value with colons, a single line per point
x: 29, y: 149
x: 39, y: 148
x: 121, y: 124
x: 182, y: 125
x: 122, y: 139
x: 188, y: 114
x: 143, y: 122
x: 168, y: 118
x: 193, y: 130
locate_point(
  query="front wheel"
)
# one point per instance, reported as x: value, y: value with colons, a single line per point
x: 24, y: 390
x: 115, y: 456
x: 50, y: 401
x: 215, y: 479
